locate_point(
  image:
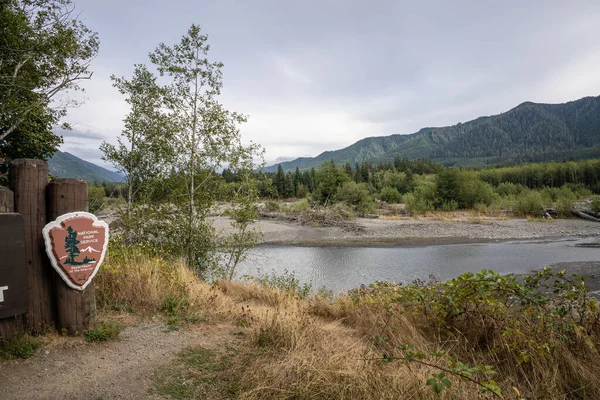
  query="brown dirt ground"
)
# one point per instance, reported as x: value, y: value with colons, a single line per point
x: 70, y: 368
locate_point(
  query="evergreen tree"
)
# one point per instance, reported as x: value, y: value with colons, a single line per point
x: 279, y: 181
x: 297, y: 181
x: 71, y: 243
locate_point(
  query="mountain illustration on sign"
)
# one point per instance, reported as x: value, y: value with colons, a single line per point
x: 73, y: 251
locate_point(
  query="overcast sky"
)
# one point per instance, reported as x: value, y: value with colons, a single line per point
x: 320, y: 75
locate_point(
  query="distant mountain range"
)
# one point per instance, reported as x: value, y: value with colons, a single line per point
x: 530, y: 132
x: 66, y: 165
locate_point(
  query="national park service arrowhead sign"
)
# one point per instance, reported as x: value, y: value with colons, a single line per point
x: 76, y: 244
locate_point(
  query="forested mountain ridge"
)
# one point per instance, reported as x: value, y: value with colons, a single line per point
x: 530, y: 132
x: 66, y: 165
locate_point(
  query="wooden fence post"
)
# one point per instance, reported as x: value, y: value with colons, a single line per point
x: 7, y: 200
x: 76, y: 310
x: 9, y: 326
x: 28, y: 181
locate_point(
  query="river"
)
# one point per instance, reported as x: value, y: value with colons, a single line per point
x: 343, y: 268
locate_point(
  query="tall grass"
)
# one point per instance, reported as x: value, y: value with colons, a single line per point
x: 539, y: 336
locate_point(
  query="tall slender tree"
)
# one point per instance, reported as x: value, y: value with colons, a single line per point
x: 145, y: 142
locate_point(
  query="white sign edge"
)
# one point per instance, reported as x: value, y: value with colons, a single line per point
x: 48, y: 245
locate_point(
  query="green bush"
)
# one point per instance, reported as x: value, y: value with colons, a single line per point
x: 272, y: 206
x: 596, y: 204
x: 448, y: 205
x: 529, y: 202
x: 286, y: 282
x: 20, y: 346
x: 417, y: 204
x: 300, y: 206
x: 390, y: 195
x: 509, y: 188
x: 103, y: 332
x: 96, y: 198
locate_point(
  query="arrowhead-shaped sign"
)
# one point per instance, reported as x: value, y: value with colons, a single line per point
x: 76, y: 244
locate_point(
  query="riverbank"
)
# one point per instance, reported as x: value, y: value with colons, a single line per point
x: 419, y: 231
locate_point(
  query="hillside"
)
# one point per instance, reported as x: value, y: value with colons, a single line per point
x: 66, y: 165
x: 530, y: 132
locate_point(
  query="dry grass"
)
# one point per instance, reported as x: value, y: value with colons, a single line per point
x: 330, y: 348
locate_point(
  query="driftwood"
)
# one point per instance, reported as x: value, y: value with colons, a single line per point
x: 320, y: 217
x: 585, y: 214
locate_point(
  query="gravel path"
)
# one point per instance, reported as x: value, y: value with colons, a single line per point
x: 114, y: 370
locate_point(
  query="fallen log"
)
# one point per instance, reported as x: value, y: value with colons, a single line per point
x: 583, y: 215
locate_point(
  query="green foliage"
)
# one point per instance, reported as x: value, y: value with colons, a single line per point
x: 330, y: 179
x: 390, y: 195
x: 286, y: 282
x: 19, y: 346
x: 96, y: 198
x: 45, y: 52
x: 272, y: 206
x: 356, y: 195
x: 463, y: 188
x: 200, y: 373
x: 103, y: 332
x: 540, y: 317
x: 529, y: 202
x: 176, y: 137
x: 175, y: 305
x: 596, y: 204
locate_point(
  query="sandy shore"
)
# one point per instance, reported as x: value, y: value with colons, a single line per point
x: 419, y: 231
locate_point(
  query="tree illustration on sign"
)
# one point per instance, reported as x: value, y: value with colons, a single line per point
x: 71, y: 243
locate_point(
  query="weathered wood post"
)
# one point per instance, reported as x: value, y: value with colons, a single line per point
x: 13, y: 324
x: 76, y: 310
x: 7, y: 200
x: 28, y: 181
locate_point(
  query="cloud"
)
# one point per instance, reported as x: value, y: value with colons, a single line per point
x: 79, y: 134
x: 320, y: 75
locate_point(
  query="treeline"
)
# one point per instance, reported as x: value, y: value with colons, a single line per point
x: 423, y: 185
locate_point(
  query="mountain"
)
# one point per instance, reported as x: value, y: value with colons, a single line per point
x: 66, y: 165
x: 530, y: 132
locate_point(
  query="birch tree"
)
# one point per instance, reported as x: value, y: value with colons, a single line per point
x: 144, y: 148
x: 206, y: 139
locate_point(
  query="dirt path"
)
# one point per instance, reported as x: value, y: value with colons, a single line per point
x: 114, y: 370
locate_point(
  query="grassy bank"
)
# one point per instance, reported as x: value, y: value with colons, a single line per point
x: 477, y: 336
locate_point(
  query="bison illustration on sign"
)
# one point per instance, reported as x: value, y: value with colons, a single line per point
x: 76, y: 244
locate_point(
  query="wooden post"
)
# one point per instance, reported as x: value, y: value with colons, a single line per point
x: 76, y: 310
x: 28, y: 181
x: 7, y: 200
x: 9, y: 326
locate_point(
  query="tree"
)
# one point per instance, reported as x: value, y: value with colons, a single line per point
x: 205, y: 139
x: 44, y: 53
x: 71, y: 243
x: 329, y: 180
x: 279, y: 181
x: 297, y: 181
x: 145, y: 143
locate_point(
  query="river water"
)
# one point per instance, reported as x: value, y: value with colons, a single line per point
x: 343, y: 268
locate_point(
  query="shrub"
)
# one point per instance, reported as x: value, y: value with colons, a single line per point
x: 416, y: 203
x: 103, y: 331
x: 448, y: 205
x: 272, y: 206
x: 564, y: 202
x: 529, y: 203
x: 596, y: 204
x: 390, y: 195
x: 286, y: 282
x: 19, y: 346
x: 509, y: 188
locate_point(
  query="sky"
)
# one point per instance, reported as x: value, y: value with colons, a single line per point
x: 319, y: 75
